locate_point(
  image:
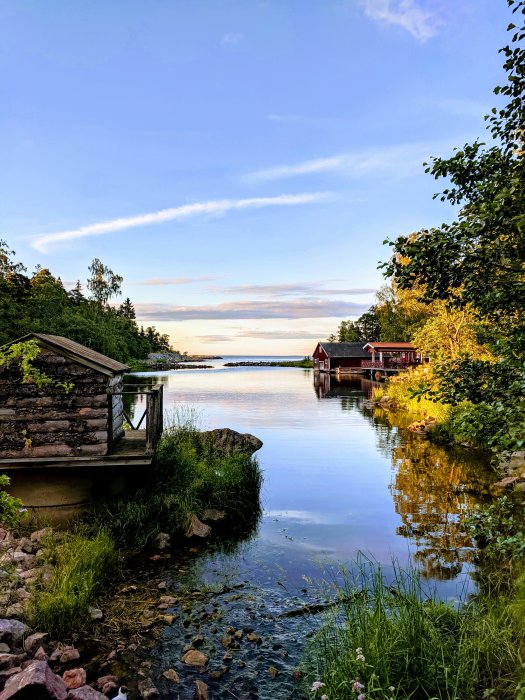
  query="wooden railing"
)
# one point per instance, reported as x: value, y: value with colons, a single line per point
x: 384, y: 364
x: 153, y: 414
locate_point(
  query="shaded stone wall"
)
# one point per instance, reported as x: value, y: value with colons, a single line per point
x: 53, y: 422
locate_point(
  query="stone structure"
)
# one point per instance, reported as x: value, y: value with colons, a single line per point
x: 78, y: 414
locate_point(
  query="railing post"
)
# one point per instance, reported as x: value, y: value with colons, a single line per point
x: 154, y: 424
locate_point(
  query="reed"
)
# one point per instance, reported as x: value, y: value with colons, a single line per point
x: 390, y: 639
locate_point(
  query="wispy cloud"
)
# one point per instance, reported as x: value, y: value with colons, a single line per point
x: 231, y: 38
x: 311, y: 288
x: 403, y: 160
x: 167, y: 281
x: 407, y: 14
x: 219, y: 206
x: 290, y: 309
x: 263, y: 335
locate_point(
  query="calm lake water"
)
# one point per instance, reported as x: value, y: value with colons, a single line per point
x: 338, y: 480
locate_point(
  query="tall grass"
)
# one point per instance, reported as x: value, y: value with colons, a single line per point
x: 396, y: 642
x: 189, y: 474
x: 82, y: 566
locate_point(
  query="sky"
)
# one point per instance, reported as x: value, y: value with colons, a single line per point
x: 239, y: 162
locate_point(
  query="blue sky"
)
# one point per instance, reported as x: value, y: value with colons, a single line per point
x: 238, y: 162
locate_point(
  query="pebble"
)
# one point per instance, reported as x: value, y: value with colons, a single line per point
x: 195, y: 658
x: 172, y: 675
x: 201, y: 690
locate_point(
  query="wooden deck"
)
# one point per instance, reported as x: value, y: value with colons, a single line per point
x: 130, y: 450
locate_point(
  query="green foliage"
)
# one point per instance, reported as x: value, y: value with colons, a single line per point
x: 103, y: 283
x: 477, y: 262
x: 412, y: 391
x: 498, y: 530
x: 24, y: 354
x: 395, y: 642
x: 10, y: 507
x: 40, y: 303
x: 83, y: 566
x: 367, y: 328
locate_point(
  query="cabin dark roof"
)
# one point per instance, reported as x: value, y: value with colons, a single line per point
x: 78, y: 352
x: 345, y: 350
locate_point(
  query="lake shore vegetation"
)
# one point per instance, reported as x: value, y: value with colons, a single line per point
x: 190, y: 475
x: 389, y: 637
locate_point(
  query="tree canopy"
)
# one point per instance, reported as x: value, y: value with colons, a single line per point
x: 475, y: 267
x: 39, y: 303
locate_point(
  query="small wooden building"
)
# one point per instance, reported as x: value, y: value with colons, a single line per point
x: 77, y: 419
x: 330, y: 357
x: 391, y: 356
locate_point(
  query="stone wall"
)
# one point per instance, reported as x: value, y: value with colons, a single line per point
x: 54, y: 422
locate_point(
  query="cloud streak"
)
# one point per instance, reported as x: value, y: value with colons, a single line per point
x: 213, y: 207
x: 403, y: 160
x: 407, y: 14
x: 262, y: 335
x: 312, y: 288
x: 290, y: 309
x: 167, y: 281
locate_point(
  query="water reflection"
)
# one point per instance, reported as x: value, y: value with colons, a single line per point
x: 339, y: 476
x: 433, y: 490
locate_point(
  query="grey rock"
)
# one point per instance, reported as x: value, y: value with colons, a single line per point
x: 196, y: 528
x: 8, y: 661
x: 227, y: 441
x: 162, y: 541
x: 34, y: 641
x: 39, y: 534
x: 36, y: 682
x: 12, y: 631
x: 15, y: 610
x: 95, y: 613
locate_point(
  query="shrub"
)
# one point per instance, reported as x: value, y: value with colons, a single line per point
x: 11, y: 508
x: 189, y: 475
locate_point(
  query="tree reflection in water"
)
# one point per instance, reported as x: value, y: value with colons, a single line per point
x: 433, y: 488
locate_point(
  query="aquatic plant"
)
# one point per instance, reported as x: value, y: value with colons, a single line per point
x: 388, y: 638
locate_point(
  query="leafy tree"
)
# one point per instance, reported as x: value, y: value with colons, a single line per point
x: 478, y: 262
x: 449, y: 332
x: 40, y: 303
x: 480, y: 257
x: 76, y: 297
x: 103, y: 283
x: 400, y: 312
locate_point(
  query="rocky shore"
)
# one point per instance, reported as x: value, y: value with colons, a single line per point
x: 113, y: 648
x: 31, y: 665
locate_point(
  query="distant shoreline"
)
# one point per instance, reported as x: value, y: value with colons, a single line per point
x: 305, y: 363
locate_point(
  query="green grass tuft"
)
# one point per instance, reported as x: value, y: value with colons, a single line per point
x: 82, y: 566
x: 398, y: 643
